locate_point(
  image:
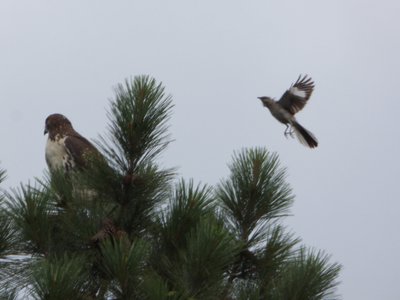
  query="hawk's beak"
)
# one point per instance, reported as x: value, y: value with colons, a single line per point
x: 45, y: 131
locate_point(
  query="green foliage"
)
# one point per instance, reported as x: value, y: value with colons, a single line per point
x: 154, y: 287
x: 278, y: 250
x: 7, y: 233
x: 202, y: 265
x: 124, y: 263
x: 13, y: 272
x: 31, y: 210
x: 305, y: 275
x: 194, y: 250
x: 138, y: 116
x: 187, y: 207
x: 139, y: 209
x: 137, y: 134
x: 255, y: 194
x: 120, y: 229
x: 59, y: 278
x: 7, y: 230
x: 308, y: 276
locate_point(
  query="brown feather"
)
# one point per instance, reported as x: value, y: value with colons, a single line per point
x: 76, y: 147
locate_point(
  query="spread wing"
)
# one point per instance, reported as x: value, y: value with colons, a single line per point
x: 78, y: 147
x: 296, y: 97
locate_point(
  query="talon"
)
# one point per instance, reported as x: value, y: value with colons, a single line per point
x: 287, y: 132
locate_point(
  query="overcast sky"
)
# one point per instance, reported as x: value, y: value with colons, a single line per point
x: 215, y: 58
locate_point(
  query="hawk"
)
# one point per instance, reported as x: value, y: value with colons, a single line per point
x: 66, y: 149
x: 291, y: 102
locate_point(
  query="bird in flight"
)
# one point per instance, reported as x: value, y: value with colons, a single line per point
x: 292, y: 101
x: 66, y: 149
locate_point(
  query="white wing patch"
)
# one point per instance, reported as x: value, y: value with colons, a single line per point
x: 297, y: 92
x: 57, y: 155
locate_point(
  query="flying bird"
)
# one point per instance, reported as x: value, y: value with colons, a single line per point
x: 291, y: 102
x: 66, y: 149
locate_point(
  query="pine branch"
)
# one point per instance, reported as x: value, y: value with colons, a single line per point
x: 193, y: 249
x: 124, y: 262
x: 278, y: 250
x: 31, y: 211
x: 246, y: 290
x: 7, y: 229
x: 154, y: 287
x: 108, y: 231
x: 142, y: 199
x: 15, y: 271
x: 206, y: 260
x: 308, y: 276
x: 255, y: 194
x: 187, y: 207
x: 138, y: 128
x: 7, y: 235
x: 60, y: 278
x: 137, y: 135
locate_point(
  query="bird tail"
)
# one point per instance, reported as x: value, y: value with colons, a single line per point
x: 304, y: 136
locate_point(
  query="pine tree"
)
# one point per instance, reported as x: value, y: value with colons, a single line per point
x: 126, y: 228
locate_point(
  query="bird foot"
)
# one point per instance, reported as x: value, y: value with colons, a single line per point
x: 289, y: 132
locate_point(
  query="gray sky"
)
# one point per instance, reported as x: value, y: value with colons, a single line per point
x: 215, y: 58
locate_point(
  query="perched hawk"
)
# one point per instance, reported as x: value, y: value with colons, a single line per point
x: 292, y: 101
x: 65, y: 149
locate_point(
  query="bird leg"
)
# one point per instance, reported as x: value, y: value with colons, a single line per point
x: 289, y: 131
x: 286, y: 131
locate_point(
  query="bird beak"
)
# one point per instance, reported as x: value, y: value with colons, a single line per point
x: 45, y: 131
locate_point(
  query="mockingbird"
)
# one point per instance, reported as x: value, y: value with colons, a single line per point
x: 292, y: 101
